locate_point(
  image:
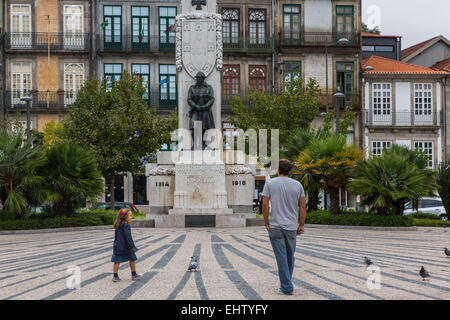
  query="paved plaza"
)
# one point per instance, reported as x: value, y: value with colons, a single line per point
x: 235, y: 264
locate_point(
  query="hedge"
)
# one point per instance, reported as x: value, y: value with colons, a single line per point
x: 428, y: 216
x: 85, y: 218
x: 357, y: 219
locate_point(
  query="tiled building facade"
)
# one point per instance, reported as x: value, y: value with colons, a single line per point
x: 51, y: 46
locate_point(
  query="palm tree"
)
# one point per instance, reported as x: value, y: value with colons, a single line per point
x: 390, y: 179
x: 443, y: 180
x: 329, y: 161
x: 71, y: 173
x: 19, y: 161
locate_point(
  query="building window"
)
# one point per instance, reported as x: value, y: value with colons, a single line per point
x: 140, y: 25
x: 112, y: 72
x: 230, y: 26
x: 344, y: 22
x: 368, y: 48
x: 167, y: 26
x: 257, y: 26
x: 381, y: 94
x: 344, y: 82
x: 291, y: 24
x: 292, y: 71
x: 143, y: 71
x: 112, y: 20
x: 427, y: 148
x: 230, y: 81
x: 379, y: 146
x: 422, y: 99
x: 20, y: 82
x: 73, y: 26
x: 167, y: 85
x: 73, y: 80
x: 257, y: 77
x: 20, y: 25
x: 384, y: 48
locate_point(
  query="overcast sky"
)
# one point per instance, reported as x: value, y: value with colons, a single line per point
x: 414, y: 20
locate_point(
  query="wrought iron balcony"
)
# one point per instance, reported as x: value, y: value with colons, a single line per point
x: 133, y: 43
x: 248, y: 44
x: 417, y: 118
x: 42, y: 40
x: 41, y: 100
x: 297, y: 39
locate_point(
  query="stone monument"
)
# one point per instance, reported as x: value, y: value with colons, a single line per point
x: 193, y: 186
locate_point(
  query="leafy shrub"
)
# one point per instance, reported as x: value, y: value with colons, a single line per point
x: 357, y: 219
x: 429, y: 223
x: 421, y: 215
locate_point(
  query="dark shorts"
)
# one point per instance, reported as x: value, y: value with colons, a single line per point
x: 117, y: 258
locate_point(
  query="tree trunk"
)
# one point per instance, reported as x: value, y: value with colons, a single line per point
x: 334, y: 200
x: 61, y: 206
x: 313, y: 201
x: 111, y: 191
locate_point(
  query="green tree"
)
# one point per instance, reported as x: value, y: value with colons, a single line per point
x: 443, y: 180
x: 389, y: 180
x: 375, y: 30
x: 70, y: 173
x: 292, y: 109
x: 19, y: 161
x: 52, y: 134
x: 117, y: 126
x: 328, y: 162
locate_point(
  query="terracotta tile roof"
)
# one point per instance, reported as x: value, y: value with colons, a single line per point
x: 373, y: 35
x: 443, y: 65
x: 411, y: 50
x: 389, y: 66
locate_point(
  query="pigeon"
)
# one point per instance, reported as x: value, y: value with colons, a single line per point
x: 367, y: 261
x: 447, y: 252
x: 193, y: 265
x: 423, y: 273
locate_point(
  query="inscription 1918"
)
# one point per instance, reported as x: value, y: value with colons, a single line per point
x: 238, y: 183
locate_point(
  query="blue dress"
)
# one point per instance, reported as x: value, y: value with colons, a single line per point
x: 117, y: 258
x: 124, y: 248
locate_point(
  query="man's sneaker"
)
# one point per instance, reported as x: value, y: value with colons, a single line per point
x: 116, y: 279
x: 136, y: 277
x: 286, y: 293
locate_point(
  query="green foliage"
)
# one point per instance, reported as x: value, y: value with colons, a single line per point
x: 389, y: 180
x: 292, y: 109
x: 70, y: 173
x: 366, y: 29
x: 357, y: 219
x: 327, y: 162
x: 19, y: 182
x: 443, y: 180
x: 117, y: 126
x: 52, y: 134
x: 429, y: 223
x: 421, y: 215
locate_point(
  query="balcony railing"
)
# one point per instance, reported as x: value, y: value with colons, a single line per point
x: 40, y: 100
x: 296, y: 39
x: 41, y: 40
x: 404, y: 118
x: 247, y: 44
x: 133, y: 43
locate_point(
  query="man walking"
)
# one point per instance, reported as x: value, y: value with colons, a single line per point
x: 287, y: 220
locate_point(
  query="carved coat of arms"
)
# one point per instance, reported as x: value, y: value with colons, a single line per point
x: 199, y: 43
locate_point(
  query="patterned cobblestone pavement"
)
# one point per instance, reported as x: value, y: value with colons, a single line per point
x: 235, y: 264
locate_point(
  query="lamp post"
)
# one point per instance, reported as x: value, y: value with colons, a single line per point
x: 27, y: 100
x: 339, y: 96
x: 341, y: 41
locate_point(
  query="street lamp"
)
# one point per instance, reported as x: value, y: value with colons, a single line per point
x: 341, y: 41
x: 338, y: 96
x: 27, y: 100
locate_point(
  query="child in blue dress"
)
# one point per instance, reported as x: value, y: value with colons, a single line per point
x: 124, y: 248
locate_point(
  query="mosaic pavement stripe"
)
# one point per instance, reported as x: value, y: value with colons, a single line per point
x: 135, y: 286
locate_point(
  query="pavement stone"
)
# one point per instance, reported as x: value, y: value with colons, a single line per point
x: 235, y: 264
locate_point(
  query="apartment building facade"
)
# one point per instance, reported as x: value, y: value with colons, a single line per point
x: 52, y: 46
x: 403, y: 104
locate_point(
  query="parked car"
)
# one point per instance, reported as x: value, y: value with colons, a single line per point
x: 427, y: 205
x: 117, y: 206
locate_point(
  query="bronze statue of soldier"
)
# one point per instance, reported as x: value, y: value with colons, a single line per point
x: 200, y: 101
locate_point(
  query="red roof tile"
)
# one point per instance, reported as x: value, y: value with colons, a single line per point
x: 389, y: 66
x: 443, y: 65
x: 411, y: 50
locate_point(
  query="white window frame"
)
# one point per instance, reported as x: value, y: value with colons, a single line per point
x: 423, y: 103
x: 73, y: 38
x: 21, y: 38
x: 23, y: 90
x: 382, y: 103
x: 428, y: 148
x: 378, y: 146
x: 70, y: 94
